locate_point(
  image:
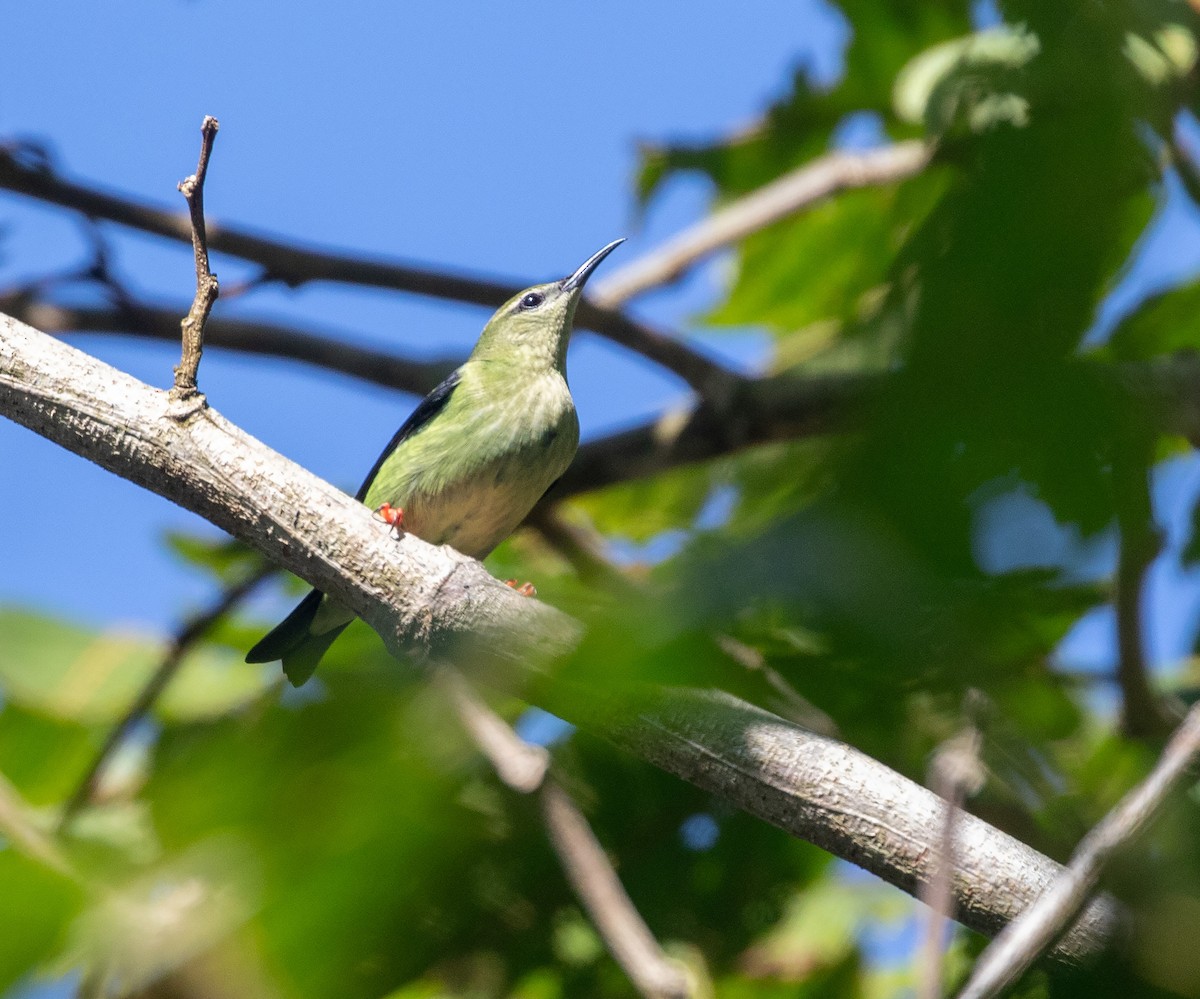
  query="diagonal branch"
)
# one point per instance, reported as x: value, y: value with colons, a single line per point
x: 525, y: 769
x: 803, y: 187
x: 1025, y: 939
x: 438, y: 604
x: 763, y: 410
x: 192, y: 632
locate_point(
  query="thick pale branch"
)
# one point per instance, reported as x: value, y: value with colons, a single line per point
x: 425, y: 598
x: 830, y: 794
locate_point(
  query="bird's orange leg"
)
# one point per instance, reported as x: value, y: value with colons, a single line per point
x: 393, y: 516
x: 525, y: 589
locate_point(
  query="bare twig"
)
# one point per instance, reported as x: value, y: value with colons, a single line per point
x: 520, y: 765
x: 801, y: 188
x: 1145, y: 714
x: 602, y: 894
x: 524, y: 768
x: 193, y: 631
x: 1029, y: 936
x: 955, y: 773
x: 207, y: 287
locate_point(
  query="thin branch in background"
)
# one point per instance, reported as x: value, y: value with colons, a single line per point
x: 955, y: 773
x: 192, y: 632
x: 207, y: 287
x: 296, y: 265
x: 525, y: 769
x: 1027, y: 937
x: 1183, y: 154
x: 793, y: 192
x: 581, y: 547
x: 603, y: 896
x: 520, y: 765
x: 1144, y: 712
x: 249, y: 336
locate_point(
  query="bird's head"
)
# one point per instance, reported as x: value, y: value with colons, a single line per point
x: 532, y: 327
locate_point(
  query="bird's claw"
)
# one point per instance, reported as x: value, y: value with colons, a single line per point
x: 525, y: 589
x: 393, y: 516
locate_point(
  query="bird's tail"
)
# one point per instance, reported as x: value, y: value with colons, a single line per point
x: 294, y: 641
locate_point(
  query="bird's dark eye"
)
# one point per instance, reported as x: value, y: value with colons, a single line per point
x: 532, y: 300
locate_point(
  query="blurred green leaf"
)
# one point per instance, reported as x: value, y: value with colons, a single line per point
x: 70, y: 673
x: 1166, y: 322
x: 35, y: 916
x: 223, y: 557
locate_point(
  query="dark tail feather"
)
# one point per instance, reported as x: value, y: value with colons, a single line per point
x: 292, y: 641
x: 290, y: 633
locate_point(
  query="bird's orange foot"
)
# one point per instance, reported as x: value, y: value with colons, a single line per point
x: 393, y: 516
x: 525, y: 589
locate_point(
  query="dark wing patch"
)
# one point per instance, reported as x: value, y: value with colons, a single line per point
x: 428, y: 408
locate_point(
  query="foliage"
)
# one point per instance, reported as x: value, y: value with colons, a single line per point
x: 346, y: 840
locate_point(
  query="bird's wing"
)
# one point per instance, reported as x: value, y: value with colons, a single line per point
x: 429, y: 407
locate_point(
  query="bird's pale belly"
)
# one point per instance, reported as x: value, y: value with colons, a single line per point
x: 476, y: 514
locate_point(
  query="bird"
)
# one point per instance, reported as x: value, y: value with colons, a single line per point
x: 472, y: 459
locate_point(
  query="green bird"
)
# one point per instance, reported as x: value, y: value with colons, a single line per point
x: 473, y: 458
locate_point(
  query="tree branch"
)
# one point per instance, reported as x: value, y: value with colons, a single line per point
x: 192, y: 632
x: 433, y: 600
x: 524, y: 768
x: 1144, y: 713
x: 296, y: 265
x: 246, y: 336
x: 1020, y: 944
x: 763, y: 410
x: 801, y: 188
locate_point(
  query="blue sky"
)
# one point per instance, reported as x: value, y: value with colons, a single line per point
x: 499, y: 138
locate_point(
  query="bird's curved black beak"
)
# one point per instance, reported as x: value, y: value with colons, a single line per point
x: 577, y: 279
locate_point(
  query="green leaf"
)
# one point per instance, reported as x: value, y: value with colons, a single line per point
x: 1163, y: 324
x: 641, y: 509
x: 70, y: 673
x: 828, y: 262
x: 36, y: 911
